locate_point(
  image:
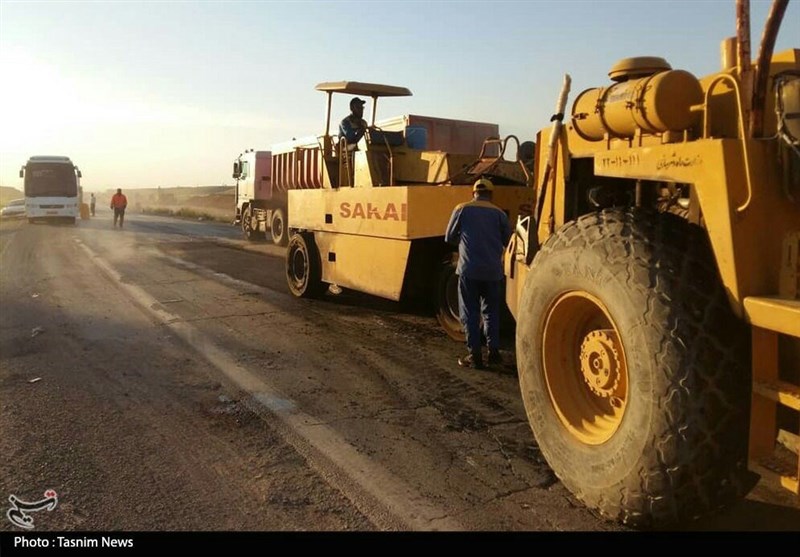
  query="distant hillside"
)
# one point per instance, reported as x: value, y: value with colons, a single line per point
x: 216, y: 201
x: 7, y: 194
x: 178, y: 191
x: 199, y: 197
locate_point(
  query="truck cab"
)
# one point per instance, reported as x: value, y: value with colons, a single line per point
x: 255, y: 209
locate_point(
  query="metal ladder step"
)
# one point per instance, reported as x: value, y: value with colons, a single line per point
x: 781, y: 392
x: 773, y: 451
x: 774, y: 313
x: 789, y: 440
x: 780, y: 467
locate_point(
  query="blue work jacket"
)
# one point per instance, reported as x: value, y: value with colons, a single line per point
x: 481, y: 231
x: 352, y: 128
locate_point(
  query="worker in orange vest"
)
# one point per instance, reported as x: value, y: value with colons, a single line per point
x: 118, y: 204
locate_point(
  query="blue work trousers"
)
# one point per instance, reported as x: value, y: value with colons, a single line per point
x: 476, y: 299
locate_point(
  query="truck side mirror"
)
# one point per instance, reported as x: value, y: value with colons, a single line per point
x: 79, y: 174
x: 22, y: 172
x: 236, y: 171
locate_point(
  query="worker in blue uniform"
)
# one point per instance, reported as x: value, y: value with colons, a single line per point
x: 353, y: 126
x: 481, y: 230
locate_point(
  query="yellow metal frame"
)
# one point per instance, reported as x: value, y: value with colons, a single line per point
x: 753, y: 228
x: 743, y: 212
x: 365, y: 234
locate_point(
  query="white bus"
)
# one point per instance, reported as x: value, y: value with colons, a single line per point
x: 52, y: 188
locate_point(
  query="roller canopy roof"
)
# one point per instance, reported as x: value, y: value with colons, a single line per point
x: 366, y: 89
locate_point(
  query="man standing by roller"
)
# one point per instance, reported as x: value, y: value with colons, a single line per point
x: 481, y: 231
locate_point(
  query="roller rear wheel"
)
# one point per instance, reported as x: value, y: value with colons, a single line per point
x: 446, y: 299
x: 303, y: 267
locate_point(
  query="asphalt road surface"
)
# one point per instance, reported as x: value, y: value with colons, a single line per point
x: 161, y: 377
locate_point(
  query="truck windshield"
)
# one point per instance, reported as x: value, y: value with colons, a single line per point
x: 50, y: 180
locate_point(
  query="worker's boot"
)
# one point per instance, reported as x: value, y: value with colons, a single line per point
x: 473, y: 359
x: 494, y: 359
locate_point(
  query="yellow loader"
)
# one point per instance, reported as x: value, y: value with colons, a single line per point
x: 656, y: 286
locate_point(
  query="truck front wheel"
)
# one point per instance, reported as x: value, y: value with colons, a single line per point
x: 303, y: 267
x: 633, y: 369
x: 249, y: 226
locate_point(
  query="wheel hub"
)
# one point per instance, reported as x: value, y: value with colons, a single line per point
x: 299, y: 266
x: 585, y: 367
x: 600, y: 362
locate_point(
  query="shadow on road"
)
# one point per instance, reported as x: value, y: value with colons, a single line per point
x: 751, y: 515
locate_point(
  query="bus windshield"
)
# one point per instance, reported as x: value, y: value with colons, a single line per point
x: 50, y: 180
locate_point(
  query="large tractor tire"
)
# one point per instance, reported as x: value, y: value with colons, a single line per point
x: 446, y: 299
x: 633, y: 369
x: 278, y: 230
x: 304, y: 267
x: 249, y: 230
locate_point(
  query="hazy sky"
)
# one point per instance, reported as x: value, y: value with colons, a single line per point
x: 144, y: 94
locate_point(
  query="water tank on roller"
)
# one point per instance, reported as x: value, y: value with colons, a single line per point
x: 655, y: 103
x: 417, y: 137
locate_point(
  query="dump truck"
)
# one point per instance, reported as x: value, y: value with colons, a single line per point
x: 375, y: 220
x: 259, y: 209
x: 441, y: 134
x: 261, y: 203
x: 656, y: 285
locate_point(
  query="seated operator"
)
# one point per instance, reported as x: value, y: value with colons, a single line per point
x: 353, y: 126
